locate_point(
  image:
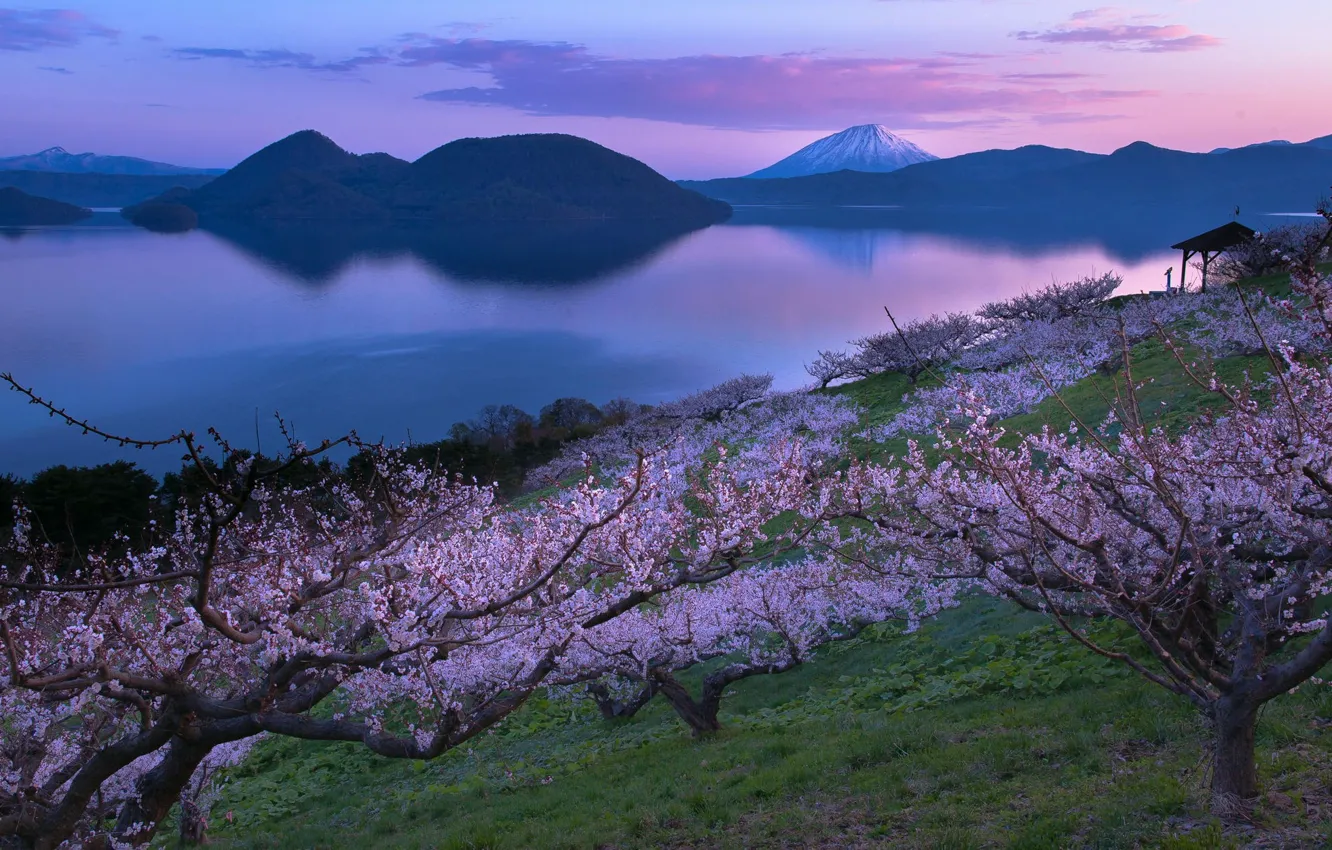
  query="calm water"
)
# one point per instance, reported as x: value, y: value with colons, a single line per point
x: 400, y: 335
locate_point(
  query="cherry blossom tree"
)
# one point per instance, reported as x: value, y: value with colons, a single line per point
x: 763, y: 621
x: 831, y: 366
x: 1001, y: 333
x: 739, y: 411
x: 1053, y: 302
x: 412, y: 603
x: 1266, y: 253
x: 916, y: 346
x: 1214, y: 546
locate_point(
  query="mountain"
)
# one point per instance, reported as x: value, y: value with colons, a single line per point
x: 924, y: 183
x: 545, y: 176
x: 1324, y: 142
x: 1140, y: 175
x: 295, y: 178
x: 62, y: 161
x: 1273, y: 142
x: 19, y: 209
x: 98, y: 190
x: 542, y: 177
x: 866, y: 147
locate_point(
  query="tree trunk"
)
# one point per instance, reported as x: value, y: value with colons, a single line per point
x: 158, y: 790
x: 614, y: 709
x: 1234, y: 764
x: 193, y: 822
x: 701, y: 718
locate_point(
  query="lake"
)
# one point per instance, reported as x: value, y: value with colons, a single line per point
x: 400, y: 335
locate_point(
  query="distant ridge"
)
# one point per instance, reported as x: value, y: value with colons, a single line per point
x: 99, y: 190
x: 865, y: 147
x: 1323, y: 142
x: 1258, y: 177
x: 19, y: 209
x: 59, y: 160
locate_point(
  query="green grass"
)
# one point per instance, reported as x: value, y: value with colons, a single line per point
x: 934, y: 740
x: 987, y: 729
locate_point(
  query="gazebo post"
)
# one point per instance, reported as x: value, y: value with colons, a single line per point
x: 1210, y: 245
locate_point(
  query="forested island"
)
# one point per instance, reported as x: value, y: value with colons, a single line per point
x: 19, y: 209
x: 306, y: 177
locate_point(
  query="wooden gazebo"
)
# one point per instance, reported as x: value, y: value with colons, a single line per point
x: 1209, y: 246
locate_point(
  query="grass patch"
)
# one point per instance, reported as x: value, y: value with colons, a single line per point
x: 927, y: 740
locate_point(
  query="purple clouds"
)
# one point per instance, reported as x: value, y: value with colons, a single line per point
x: 1112, y: 29
x: 786, y: 91
x: 37, y: 29
x: 281, y: 58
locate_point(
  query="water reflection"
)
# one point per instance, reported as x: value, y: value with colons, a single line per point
x: 853, y: 235
x: 395, y: 333
x: 543, y: 253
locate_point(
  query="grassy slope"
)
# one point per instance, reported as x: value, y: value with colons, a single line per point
x: 943, y: 739
x: 938, y: 740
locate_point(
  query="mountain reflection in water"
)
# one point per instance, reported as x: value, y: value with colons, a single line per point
x: 559, y: 252
x: 401, y: 332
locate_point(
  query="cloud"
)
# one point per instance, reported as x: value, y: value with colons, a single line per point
x: 457, y: 28
x: 789, y: 91
x: 1047, y: 77
x: 1115, y: 29
x: 1074, y: 118
x: 40, y: 28
x: 282, y: 58
x: 959, y: 54
x: 54, y: 70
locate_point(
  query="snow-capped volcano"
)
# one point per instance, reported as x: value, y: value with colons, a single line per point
x: 61, y: 160
x: 867, y: 147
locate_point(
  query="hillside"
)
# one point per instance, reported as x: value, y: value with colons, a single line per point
x: 1271, y: 178
x: 962, y: 750
x: 98, y: 190
x: 18, y: 208
x: 988, y: 728
x: 307, y: 177
x: 60, y: 160
x: 867, y: 147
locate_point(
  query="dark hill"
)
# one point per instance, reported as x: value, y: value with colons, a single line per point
x: 99, y: 190
x: 307, y: 177
x: 164, y: 214
x: 544, y: 176
x: 1140, y: 175
x: 19, y: 209
x: 292, y: 178
x: 998, y: 164
x: 1261, y: 178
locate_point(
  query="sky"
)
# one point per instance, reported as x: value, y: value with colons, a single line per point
x: 695, y: 88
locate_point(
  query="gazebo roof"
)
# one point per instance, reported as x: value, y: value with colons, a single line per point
x: 1223, y: 237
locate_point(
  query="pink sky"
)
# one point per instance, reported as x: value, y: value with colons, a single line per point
x: 696, y: 88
